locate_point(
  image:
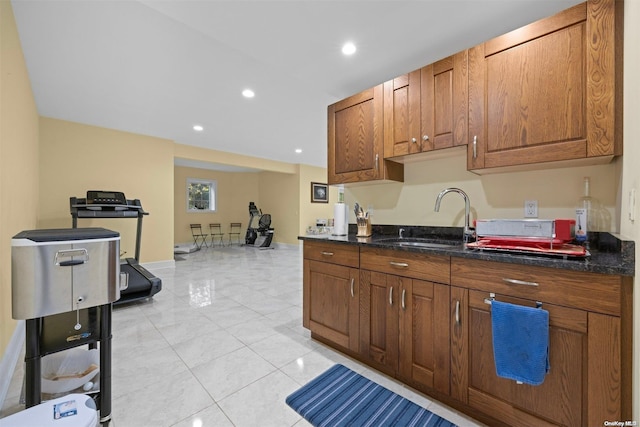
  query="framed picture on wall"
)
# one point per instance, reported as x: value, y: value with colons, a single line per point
x: 319, y: 193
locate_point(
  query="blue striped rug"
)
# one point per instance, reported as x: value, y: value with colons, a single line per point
x: 341, y: 397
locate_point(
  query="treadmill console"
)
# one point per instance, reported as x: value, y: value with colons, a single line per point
x: 106, y: 198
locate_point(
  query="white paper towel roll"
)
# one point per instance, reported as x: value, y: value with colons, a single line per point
x: 340, y: 223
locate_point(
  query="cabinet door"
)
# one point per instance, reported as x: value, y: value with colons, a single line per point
x: 355, y: 140
x: 379, y: 302
x: 559, y: 399
x: 589, y: 343
x: 444, y: 100
x: 331, y: 295
x: 402, y: 115
x: 548, y: 91
x: 424, y: 334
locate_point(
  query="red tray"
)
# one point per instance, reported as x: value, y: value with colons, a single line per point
x: 530, y: 246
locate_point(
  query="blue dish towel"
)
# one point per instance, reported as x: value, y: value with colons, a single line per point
x: 520, y: 342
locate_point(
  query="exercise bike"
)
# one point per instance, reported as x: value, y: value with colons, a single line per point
x: 262, y: 235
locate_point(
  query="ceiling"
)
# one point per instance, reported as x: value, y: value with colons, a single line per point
x: 158, y: 67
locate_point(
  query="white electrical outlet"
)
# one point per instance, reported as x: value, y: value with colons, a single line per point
x: 531, y: 209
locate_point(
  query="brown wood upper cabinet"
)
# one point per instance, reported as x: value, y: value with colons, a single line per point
x: 426, y: 109
x: 549, y: 91
x: 355, y: 140
x: 402, y: 133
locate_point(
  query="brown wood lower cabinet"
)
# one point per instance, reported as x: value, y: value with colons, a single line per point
x: 557, y: 401
x: 424, y: 334
x: 404, y: 328
x: 404, y: 321
x: 589, y: 351
x: 331, y: 295
x: 379, y: 319
x: 423, y: 319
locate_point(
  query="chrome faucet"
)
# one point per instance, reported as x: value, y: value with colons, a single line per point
x: 469, y: 232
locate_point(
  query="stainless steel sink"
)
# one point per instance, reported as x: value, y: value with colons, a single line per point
x: 420, y: 243
x: 426, y: 245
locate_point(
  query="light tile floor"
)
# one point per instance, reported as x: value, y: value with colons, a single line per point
x: 221, y: 345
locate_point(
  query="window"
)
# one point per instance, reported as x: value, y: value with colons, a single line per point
x: 201, y: 195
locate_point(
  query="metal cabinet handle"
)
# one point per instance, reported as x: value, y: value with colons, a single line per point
x: 81, y: 256
x: 404, y: 293
x: 391, y: 295
x: 377, y: 167
x: 457, y: 312
x: 352, y: 293
x: 326, y: 253
x: 425, y: 137
x: 519, y: 282
x: 399, y: 264
x: 414, y: 140
x: 475, y: 146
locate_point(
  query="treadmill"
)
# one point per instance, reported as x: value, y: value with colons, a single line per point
x: 114, y: 204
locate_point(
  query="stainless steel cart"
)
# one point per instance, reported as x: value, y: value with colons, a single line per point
x: 64, y: 282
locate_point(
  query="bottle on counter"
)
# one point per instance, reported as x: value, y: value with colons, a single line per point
x: 586, y: 215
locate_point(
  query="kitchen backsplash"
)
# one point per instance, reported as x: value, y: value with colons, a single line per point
x: 492, y: 196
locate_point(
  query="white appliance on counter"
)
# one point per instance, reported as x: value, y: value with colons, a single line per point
x: 340, y: 219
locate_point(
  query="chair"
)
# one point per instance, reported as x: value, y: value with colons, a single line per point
x: 216, y: 232
x: 235, y: 230
x: 196, y: 232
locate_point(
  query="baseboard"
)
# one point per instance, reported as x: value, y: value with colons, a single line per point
x: 10, y: 359
x: 157, y: 265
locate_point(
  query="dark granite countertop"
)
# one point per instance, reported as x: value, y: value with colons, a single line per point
x: 609, y: 254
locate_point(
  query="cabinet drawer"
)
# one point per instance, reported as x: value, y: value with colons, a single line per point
x: 334, y: 253
x: 433, y: 268
x: 587, y: 291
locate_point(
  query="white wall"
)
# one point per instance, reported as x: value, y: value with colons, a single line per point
x: 631, y: 170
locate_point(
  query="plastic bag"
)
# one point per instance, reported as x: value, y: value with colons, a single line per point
x: 68, y: 370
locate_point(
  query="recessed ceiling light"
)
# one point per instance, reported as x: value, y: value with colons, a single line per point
x: 298, y: 150
x: 198, y: 128
x: 349, y: 48
x: 248, y: 93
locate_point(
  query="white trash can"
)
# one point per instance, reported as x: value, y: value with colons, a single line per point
x: 72, y: 410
